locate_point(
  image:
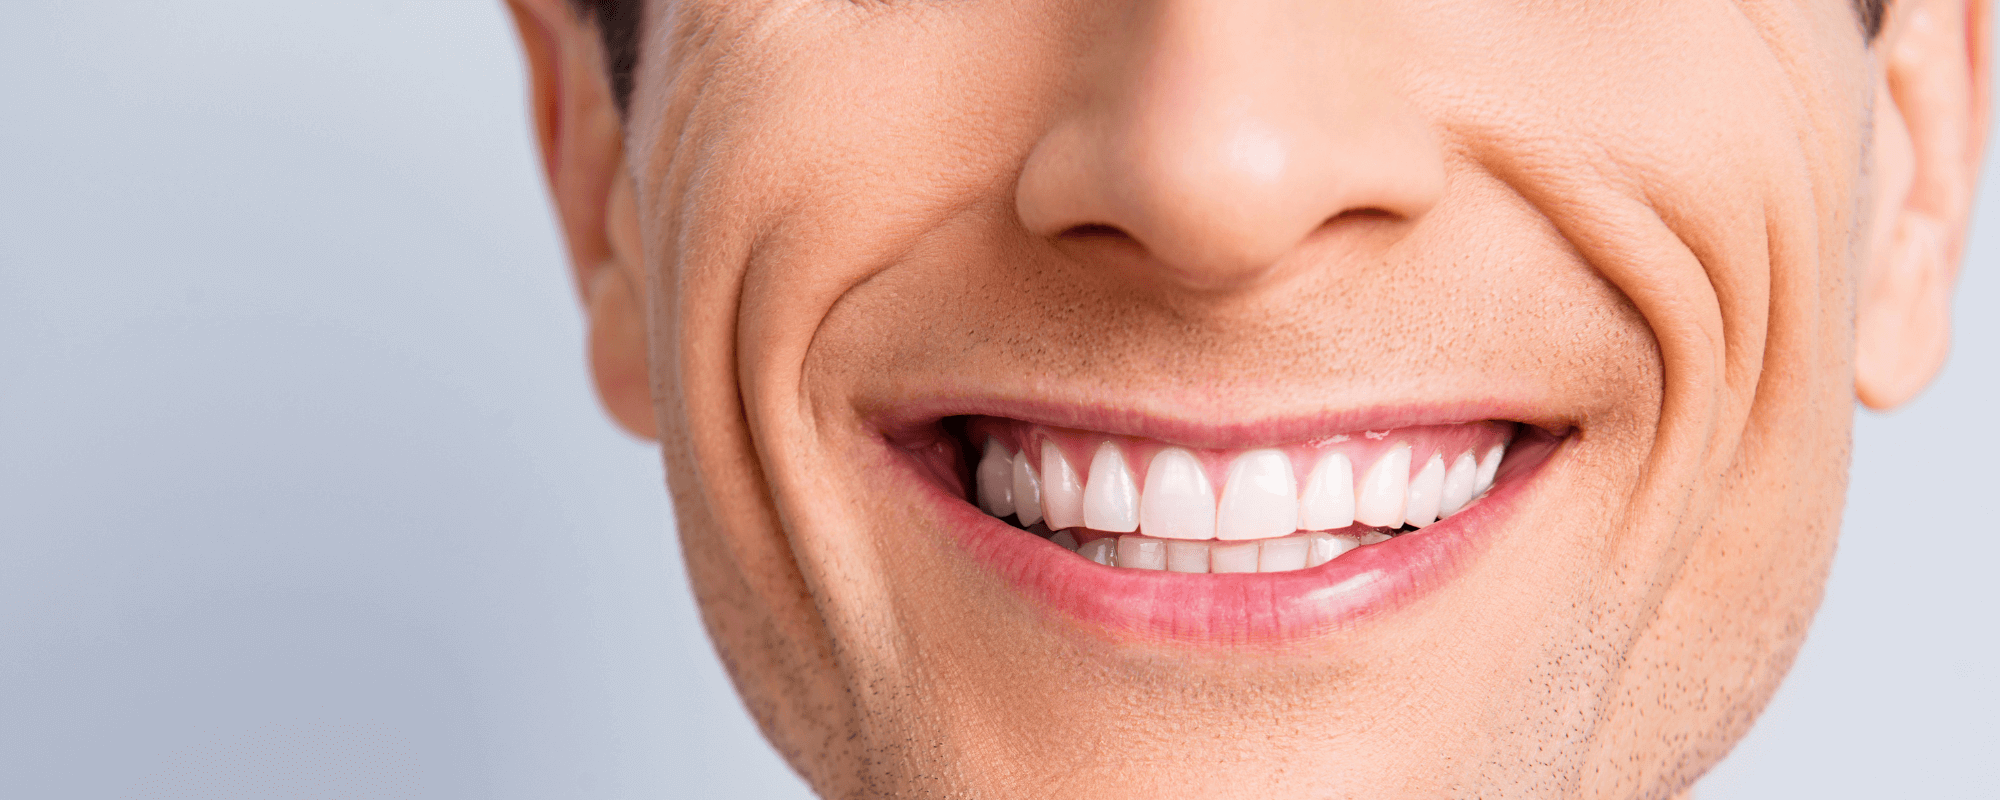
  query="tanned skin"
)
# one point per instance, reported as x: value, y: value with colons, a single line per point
x: 1684, y: 236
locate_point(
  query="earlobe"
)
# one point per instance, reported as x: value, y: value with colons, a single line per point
x: 1924, y: 164
x: 618, y: 362
x: 581, y: 137
x: 615, y: 299
x: 1902, y: 325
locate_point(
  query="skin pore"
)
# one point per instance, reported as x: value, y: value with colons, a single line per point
x: 1677, y: 239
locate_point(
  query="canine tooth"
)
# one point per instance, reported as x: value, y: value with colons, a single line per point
x: 1458, y: 484
x: 1328, y: 501
x: 1260, y: 499
x: 1322, y: 547
x: 1139, y: 552
x: 1372, y: 537
x: 1061, y: 489
x: 1489, y: 465
x: 1282, y: 555
x: 1177, y: 503
x: 1380, y: 500
x: 1236, y: 557
x: 1425, y: 490
x: 1187, y: 556
x: 1066, y: 539
x: 1103, y: 551
x: 1110, y: 499
x: 995, y: 479
x: 1026, y: 491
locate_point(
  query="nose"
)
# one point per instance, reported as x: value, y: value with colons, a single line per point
x: 1220, y: 135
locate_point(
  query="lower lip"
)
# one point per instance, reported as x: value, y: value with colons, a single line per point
x: 1246, y: 609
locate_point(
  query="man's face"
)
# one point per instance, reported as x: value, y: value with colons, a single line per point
x: 1205, y: 399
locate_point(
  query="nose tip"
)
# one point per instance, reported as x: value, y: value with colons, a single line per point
x: 1217, y: 159
x: 1226, y: 211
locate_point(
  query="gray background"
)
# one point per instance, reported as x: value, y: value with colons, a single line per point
x: 302, y: 492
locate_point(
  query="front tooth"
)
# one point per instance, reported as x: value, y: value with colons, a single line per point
x: 1458, y: 484
x: 1328, y: 501
x: 1381, y: 499
x: 1026, y: 491
x: 1488, y: 467
x: 1425, y: 492
x: 1177, y: 503
x: 1237, y: 557
x: 1102, y: 551
x: 1322, y: 547
x: 1062, y: 490
x: 1065, y: 539
x: 1110, y: 499
x: 995, y: 479
x: 1372, y: 537
x: 1261, y: 499
x: 1282, y: 555
x: 1187, y: 556
x: 1140, y: 552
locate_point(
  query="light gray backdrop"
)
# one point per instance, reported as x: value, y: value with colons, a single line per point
x: 302, y: 492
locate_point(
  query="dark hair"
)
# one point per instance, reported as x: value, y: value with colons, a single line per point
x: 618, y: 22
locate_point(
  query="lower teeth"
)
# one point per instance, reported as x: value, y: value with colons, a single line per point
x: 1283, y: 554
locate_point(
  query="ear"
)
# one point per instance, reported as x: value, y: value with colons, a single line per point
x: 581, y: 134
x: 1929, y: 132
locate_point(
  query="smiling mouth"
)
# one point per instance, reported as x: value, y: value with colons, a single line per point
x: 1235, y: 534
x: 1146, y: 505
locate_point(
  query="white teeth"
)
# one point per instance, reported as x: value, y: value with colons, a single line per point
x: 1328, y: 501
x: 1026, y: 491
x: 1282, y: 555
x: 1110, y: 499
x: 1177, y: 503
x: 1260, y: 499
x: 1187, y: 556
x: 1139, y: 552
x: 995, y: 480
x: 1102, y: 551
x: 1381, y: 497
x: 1322, y: 547
x: 1239, y: 557
x: 1061, y: 492
x: 1425, y: 492
x: 1179, y: 525
x: 1458, y: 485
x: 1489, y: 465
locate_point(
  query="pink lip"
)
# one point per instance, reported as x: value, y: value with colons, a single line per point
x: 1237, y: 609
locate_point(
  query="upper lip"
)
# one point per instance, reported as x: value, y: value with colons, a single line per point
x: 914, y: 419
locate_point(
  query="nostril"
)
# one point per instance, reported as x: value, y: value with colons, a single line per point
x: 1095, y: 230
x: 1359, y: 219
x: 1365, y: 213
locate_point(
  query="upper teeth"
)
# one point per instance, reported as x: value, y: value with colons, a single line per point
x: 1382, y: 498
x: 1110, y: 499
x: 995, y: 478
x: 1062, y: 492
x: 1261, y: 497
x: 1177, y: 503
